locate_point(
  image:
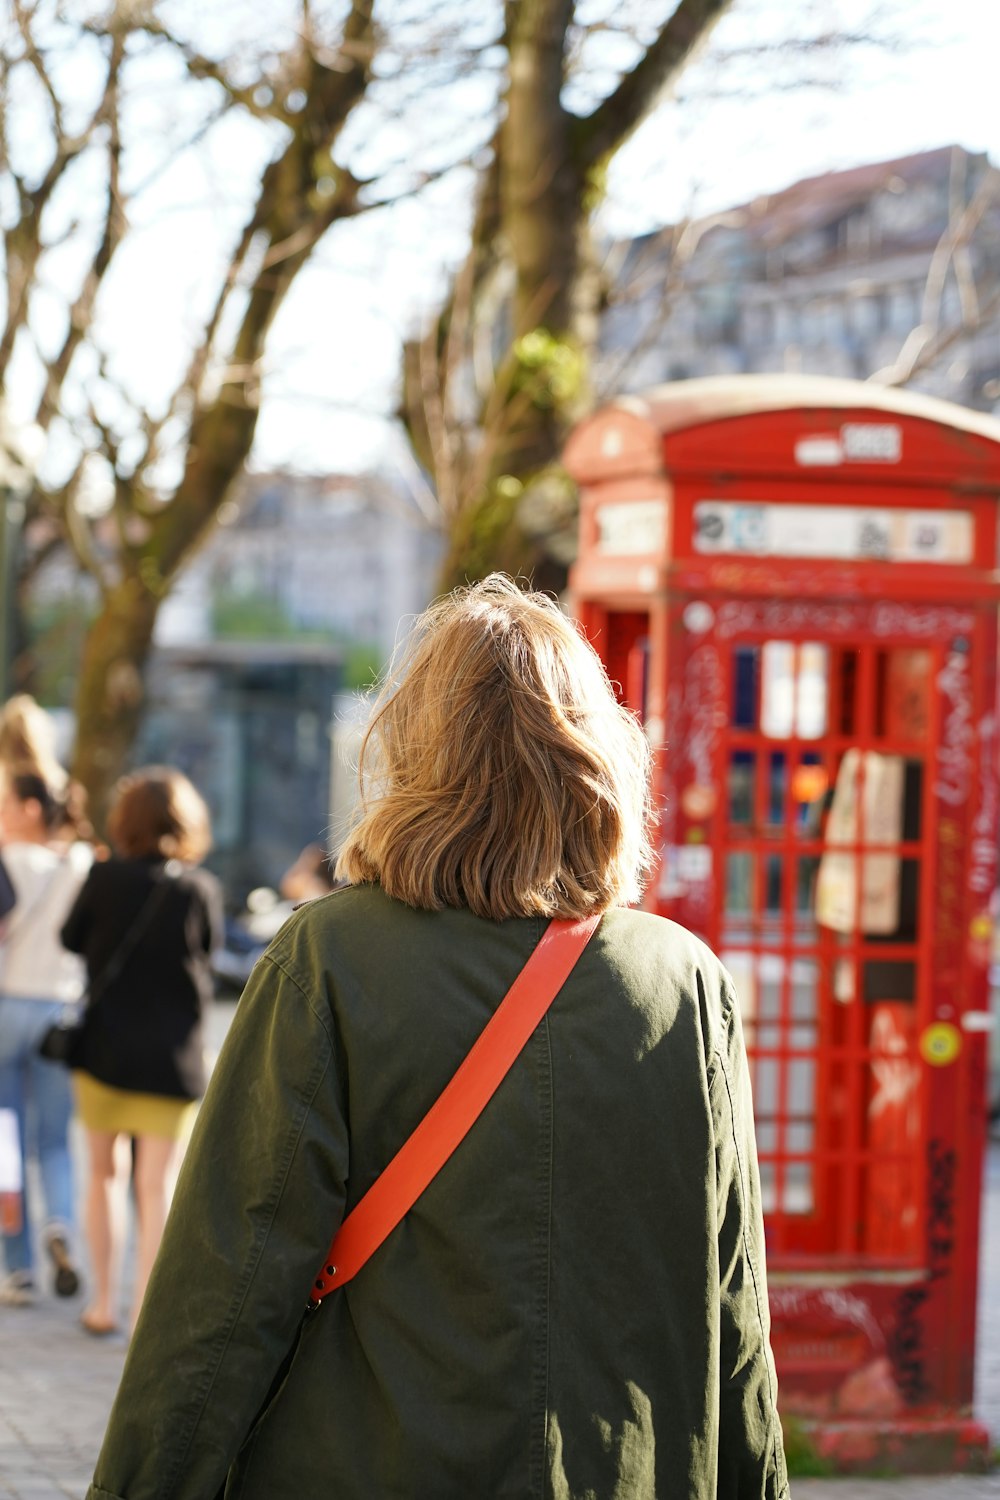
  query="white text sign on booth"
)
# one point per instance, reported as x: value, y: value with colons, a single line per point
x: 844, y: 532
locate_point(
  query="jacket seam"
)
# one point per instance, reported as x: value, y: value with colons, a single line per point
x: 282, y: 966
x: 749, y: 1256
x: 243, y: 1286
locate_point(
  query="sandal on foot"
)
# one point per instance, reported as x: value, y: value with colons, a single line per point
x: 98, y: 1330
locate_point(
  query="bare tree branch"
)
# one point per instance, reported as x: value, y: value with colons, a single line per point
x: 77, y: 531
x: 923, y: 347
x: 290, y: 216
x: 925, y: 344
x: 82, y: 310
x: 23, y: 16
x: 23, y: 239
x: 613, y: 121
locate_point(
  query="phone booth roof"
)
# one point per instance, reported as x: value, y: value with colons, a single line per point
x: 657, y: 429
x: 802, y: 480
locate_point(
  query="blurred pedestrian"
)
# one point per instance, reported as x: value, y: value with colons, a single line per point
x: 309, y: 876
x: 576, y: 1304
x: 28, y: 741
x: 38, y: 980
x: 146, y: 921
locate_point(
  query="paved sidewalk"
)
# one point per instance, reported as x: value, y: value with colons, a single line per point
x: 57, y: 1384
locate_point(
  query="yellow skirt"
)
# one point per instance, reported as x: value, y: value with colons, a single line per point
x: 121, y: 1112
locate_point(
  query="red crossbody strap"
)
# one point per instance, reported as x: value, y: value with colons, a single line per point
x: 458, y: 1106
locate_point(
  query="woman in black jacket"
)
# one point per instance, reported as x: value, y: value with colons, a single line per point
x: 146, y: 921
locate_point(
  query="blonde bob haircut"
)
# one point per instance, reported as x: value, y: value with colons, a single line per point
x: 498, y: 771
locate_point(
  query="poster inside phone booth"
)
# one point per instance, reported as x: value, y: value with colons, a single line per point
x: 793, y: 581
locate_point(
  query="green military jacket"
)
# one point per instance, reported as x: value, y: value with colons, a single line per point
x: 576, y: 1306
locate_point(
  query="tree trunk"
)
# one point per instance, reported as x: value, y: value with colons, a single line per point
x: 542, y: 221
x: 111, y: 693
x: 547, y: 175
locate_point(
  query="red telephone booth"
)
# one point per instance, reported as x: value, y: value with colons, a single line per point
x: 794, y: 581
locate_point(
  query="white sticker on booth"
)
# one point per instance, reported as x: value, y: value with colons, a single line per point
x: 818, y: 452
x: 631, y: 527
x: 872, y: 442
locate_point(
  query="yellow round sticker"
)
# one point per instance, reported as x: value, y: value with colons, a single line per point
x: 940, y: 1044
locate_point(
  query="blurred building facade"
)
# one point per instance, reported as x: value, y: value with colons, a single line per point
x: 298, y: 595
x: 343, y: 556
x: 889, y: 270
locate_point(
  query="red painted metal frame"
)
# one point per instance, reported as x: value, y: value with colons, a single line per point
x: 874, y: 1322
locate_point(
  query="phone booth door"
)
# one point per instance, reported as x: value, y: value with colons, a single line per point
x: 821, y: 776
x: 823, y: 925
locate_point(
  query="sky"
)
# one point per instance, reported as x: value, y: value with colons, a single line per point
x: 696, y: 154
x: 732, y: 132
x: 939, y: 88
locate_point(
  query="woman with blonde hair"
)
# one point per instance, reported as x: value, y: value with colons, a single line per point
x: 574, y: 1303
x: 28, y: 741
x: 146, y: 921
x: 39, y: 980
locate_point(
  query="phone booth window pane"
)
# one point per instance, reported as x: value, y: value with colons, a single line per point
x: 795, y: 690
x: 890, y: 979
x: 777, y: 785
x: 844, y: 984
x: 745, y: 671
x: 805, y: 931
x: 913, y: 796
x: 798, y: 1195
x: 810, y: 784
x: 845, y: 697
x: 741, y: 786
x: 740, y: 963
x: 766, y: 1180
x: 739, y: 883
x: 802, y: 1088
x: 903, y: 693
x: 766, y: 1086
x: 805, y: 988
x: 812, y: 691
x: 769, y: 977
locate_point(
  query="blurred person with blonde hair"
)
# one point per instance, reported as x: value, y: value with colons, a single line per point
x: 28, y: 740
x: 146, y: 922
x: 575, y: 1304
x: 38, y: 981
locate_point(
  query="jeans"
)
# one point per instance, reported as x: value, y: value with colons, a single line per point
x: 39, y: 1094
